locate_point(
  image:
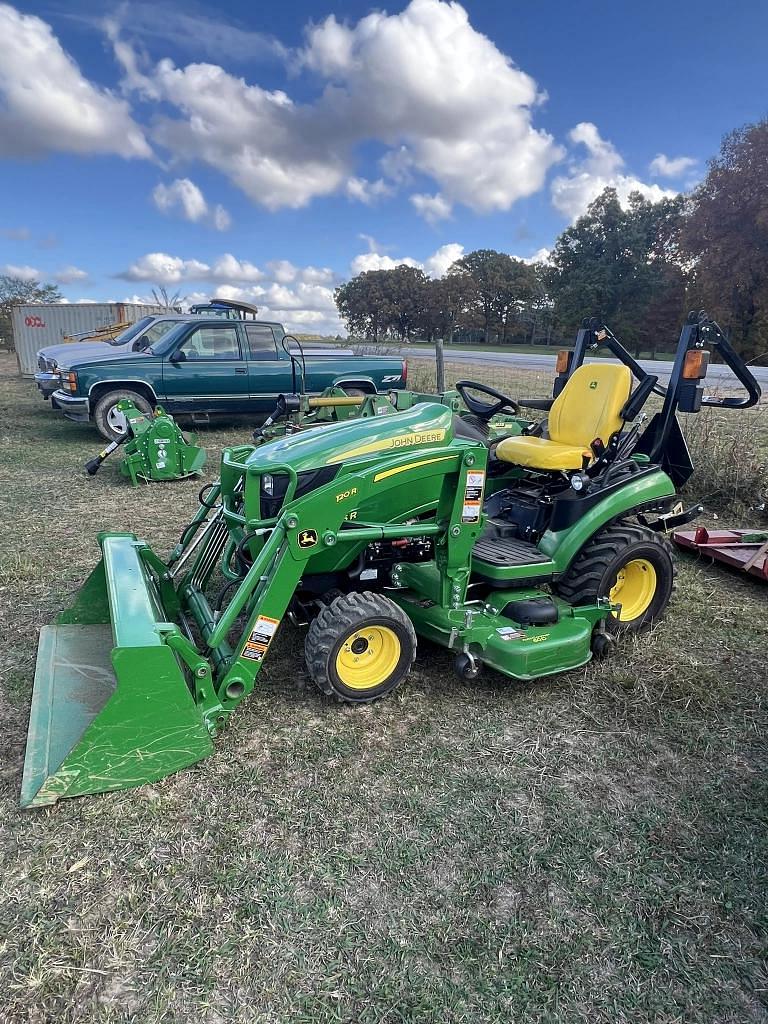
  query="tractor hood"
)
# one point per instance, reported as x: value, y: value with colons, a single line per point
x: 425, y: 425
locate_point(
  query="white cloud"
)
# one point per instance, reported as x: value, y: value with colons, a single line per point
x: 439, y: 262
x: 221, y: 218
x: 185, y: 196
x: 663, y: 166
x: 299, y: 297
x: 588, y: 176
x: 282, y: 271
x: 367, y: 192
x: 378, y: 261
x: 435, y: 266
x: 432, y: 208
x: 229, y: 268
x: 441, y: 98
x: 540, y: 256
x: 46, y: 103
x: 196, y: 32
x: 160, y: 268
x: 24, y: 273
x: 181, y: 194
x: 70, y: 274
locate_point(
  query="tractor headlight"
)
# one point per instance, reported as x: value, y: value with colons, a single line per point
x: 580, y: 482
x: 273, y: 490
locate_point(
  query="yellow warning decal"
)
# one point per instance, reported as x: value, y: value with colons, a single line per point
x: 390, y: 444
x: 473, y: 496
x: 262, y: 634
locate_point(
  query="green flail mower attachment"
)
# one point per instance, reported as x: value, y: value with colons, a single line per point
x: 525, y: 554
x: 154, y: 448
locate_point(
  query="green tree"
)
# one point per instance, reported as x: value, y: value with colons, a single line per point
x: 15, y: 291
x: 621, y: 264
x: 447, y: 301
x: 362, y: 305
x: 405, y: 291
x: 500, y: 284
x: 380, y: 302
x: 726, y: 239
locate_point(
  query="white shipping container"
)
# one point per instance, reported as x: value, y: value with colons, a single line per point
x: 39, y: 324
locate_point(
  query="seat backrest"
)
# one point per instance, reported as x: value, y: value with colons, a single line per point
x: 590, y: 404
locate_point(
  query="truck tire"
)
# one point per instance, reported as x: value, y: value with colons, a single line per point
x: 108, y: 418
x: 629, y: 564
x: 360, y: 647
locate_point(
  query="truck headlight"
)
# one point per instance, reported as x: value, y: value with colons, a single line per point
x: 69, y: 380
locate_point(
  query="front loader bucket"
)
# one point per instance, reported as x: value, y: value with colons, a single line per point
x: 111, y: 707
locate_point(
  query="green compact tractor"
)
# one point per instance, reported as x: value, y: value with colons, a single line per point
x: 525, y: 552
x: 155, y: 449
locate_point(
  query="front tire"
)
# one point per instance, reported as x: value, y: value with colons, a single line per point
x: 631, y: 566
x: 360, y: 647
x: 110, y: 422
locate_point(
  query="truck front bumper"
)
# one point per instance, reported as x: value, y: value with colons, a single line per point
x: 74, y: 408
x: 47, y: 383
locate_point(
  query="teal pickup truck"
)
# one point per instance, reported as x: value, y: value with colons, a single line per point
x: 214, y: 367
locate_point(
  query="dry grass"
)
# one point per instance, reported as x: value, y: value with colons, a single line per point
x: 590, y: 848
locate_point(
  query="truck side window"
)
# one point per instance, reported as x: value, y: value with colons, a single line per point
x: 261, y: 341
x: 209, y: 342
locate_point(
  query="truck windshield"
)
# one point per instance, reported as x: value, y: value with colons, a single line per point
x: 130, y: 332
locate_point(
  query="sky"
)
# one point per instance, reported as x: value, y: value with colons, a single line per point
x: 271, y: 151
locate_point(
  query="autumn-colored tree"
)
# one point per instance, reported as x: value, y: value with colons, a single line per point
x: 726, y: 239
x: 16, y: 290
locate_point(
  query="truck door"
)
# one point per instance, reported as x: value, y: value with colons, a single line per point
x: 270, y: 375
x: 208, y: 370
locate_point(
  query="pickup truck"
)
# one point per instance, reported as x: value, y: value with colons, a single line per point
x: 142, y: 334
x: 212, y: 367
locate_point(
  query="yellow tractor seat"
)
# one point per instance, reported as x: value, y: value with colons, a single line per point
x: 589, y: 407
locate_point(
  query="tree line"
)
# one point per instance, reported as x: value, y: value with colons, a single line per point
x: 640, y: 267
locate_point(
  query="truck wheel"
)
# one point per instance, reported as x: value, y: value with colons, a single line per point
x: 629, y: 564
x: 360, y: 647
x: 109, y: 421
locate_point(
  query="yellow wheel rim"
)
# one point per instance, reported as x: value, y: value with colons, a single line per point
x: 367, y: 657
x: 634, y: 589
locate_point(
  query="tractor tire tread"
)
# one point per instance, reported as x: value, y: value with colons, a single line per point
x: 344, y: 613
x: 581, y: 582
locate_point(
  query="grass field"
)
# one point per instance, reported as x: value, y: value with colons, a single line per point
x: 588, y: 848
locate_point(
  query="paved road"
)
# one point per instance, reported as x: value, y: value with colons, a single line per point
x: 529, y: 361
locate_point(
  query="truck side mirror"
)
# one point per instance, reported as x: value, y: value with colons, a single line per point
x: 177, y: 356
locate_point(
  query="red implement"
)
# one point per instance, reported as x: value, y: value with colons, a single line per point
x: 743, y: 549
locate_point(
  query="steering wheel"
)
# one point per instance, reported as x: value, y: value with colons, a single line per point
x: 485, y: 410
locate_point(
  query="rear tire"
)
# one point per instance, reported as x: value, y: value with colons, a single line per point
x: 360, y: 647
x: 631, y: 565
x: 108, y: 418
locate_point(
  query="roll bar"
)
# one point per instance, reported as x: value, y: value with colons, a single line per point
x: 698, y: 331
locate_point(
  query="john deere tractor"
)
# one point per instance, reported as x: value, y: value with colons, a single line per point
x: 526, y: 552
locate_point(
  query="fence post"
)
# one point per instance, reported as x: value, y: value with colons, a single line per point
x: 440, y: 365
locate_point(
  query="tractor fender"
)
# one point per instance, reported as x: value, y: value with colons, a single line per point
x: 634, y: 496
